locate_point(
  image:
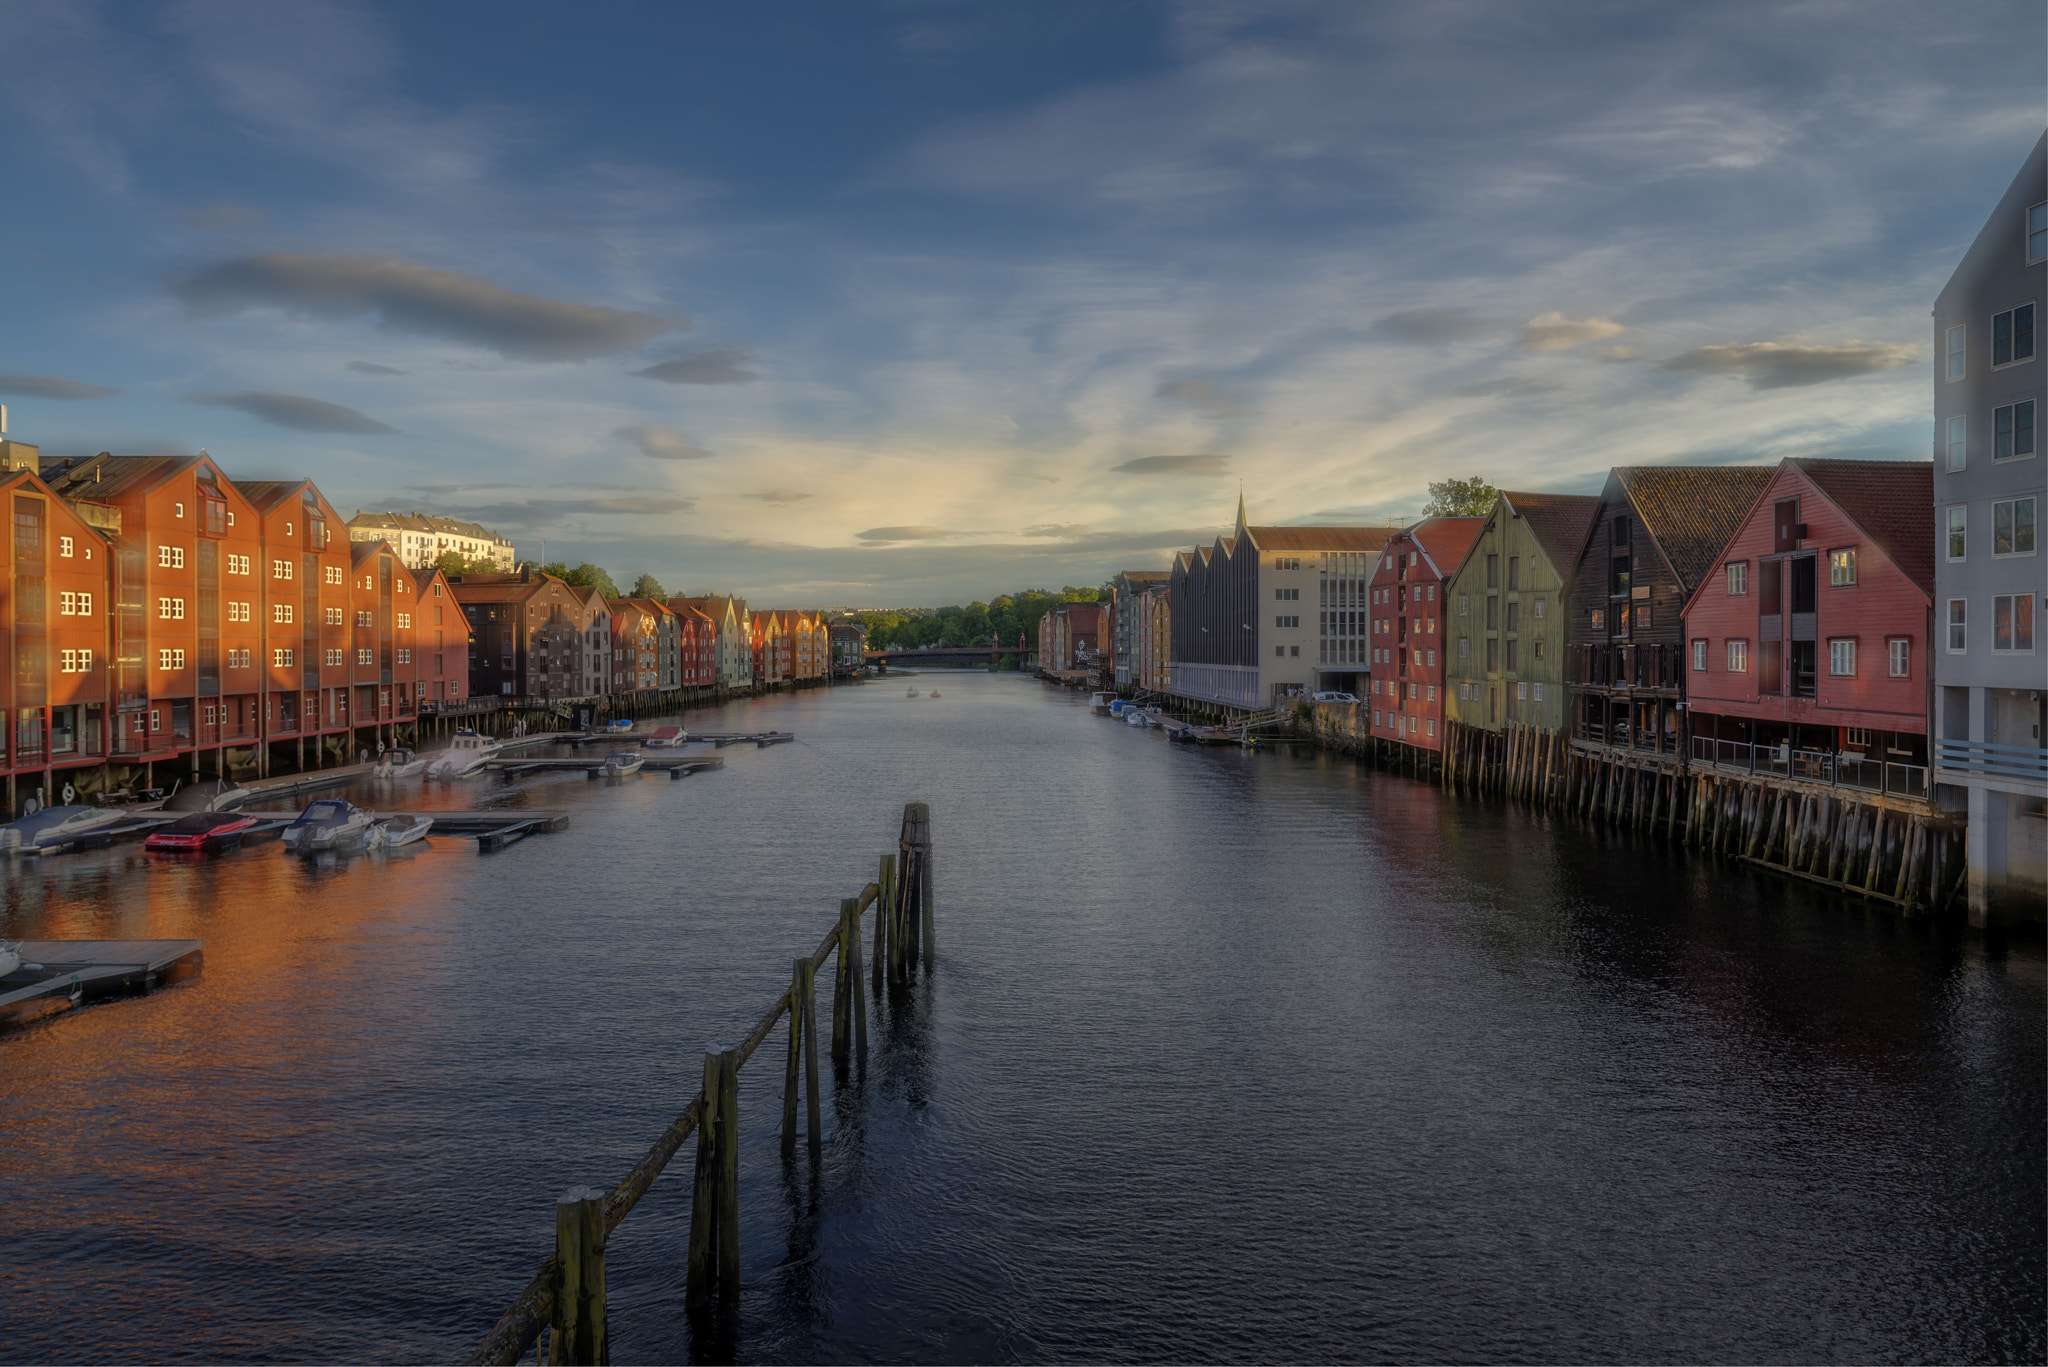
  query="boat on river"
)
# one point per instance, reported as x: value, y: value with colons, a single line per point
x: 910, y: 693
x: 207, y: 795
x: 394, y: 831
x: 466, y: 753
x: 200, y: 832
x: 1101, y: 703
x: 328, y: 824
x: 400, y: 763
x: 52, y: 828
x: 667, y: 737
x: 618, y: 726
x: 619, y: 765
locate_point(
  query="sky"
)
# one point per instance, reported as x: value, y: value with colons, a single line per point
x: 915, y: 302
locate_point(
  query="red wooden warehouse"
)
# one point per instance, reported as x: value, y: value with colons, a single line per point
x: 1807, y: 644
x: 1408, y: 651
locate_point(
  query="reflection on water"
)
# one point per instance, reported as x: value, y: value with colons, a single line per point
x: 1224, y: 1056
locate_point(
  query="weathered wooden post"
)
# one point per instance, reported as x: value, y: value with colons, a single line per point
x: 803, y: 1040
x: 885, y: 903
x: 713, y: 1278
x: 849, y: 1018
x: 578, y: 1335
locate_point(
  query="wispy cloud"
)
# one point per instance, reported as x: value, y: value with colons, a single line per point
x: 294, y: 411
x: 1201, y: 466
x: 719, y: 365
x: 423, y: 300
x: 1783, y: 365
x: 225, y: 216
x: 50, y: 387
x: 372, y: 368
x: 1554, y: 331
x: 544, y: 512
x: 779, y: 497
x: 1437, y: 326
x: 1062, y: 530
x: 663, y: 443
x: 876, y: 535
x: 1199, y: 395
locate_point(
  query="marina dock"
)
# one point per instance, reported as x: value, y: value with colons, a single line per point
x: 675, y: 766
x: 55, y: 975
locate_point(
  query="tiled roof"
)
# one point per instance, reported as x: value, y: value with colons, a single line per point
x: 1446, y: 539
x: 1560, y: 523
x: 1144, y: 576
x: 1366, y: 540
x: 1692, y: 510
x: 1891, y: 500
x: 107, y: 476
x: 265, y: 494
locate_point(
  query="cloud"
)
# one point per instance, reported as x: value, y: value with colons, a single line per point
x: 224, y: 216
x: 1199, y: 395
x: 1781, y: 365
x: 884, y: 535
x: 1554, y: 332
x: 372, y: 368
x: 295, y: 411
x: 421, y: 300
x: 720, y: 365
x: 50, y: 387
x: 1436, y: 327
x: 662, y: 443
x: 1173, y: 465
x: 1062, y: 530
x: 780, y: 497
x: 1507, y: 386
x: 1623, y: 352
x: 541, y: 512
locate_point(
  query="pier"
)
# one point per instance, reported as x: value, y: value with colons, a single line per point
x: 55, y: 975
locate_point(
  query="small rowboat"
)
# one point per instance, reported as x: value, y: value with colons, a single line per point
x: 209, y: 832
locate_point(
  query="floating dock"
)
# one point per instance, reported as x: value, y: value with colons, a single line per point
x: 717, y: 739
x: 492, y: 830
x: 55, y: 975
x: 673, y: 766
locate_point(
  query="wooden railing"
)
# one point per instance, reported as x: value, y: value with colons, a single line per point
x: 566, y: 1298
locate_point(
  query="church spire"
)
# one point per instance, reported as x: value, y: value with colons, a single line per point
x: 1240, y: 509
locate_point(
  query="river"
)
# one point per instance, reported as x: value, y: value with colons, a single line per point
x: 1224, y: 1056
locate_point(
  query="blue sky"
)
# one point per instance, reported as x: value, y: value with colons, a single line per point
x: 916, y: 302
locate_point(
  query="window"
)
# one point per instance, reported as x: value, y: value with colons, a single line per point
x: 1642, y: 617
x: 1493, y: 571
x: 333, y: 574
x: 280, y: 569
x: 1958, y: 531
x: 180, y: 507
x: 1958, y: 442
x: 1699, y: 656
x: 1536, y: 609
x: 281, y: 612
x: 171, y: 608
x: 1280, y: 651
x: 1957, y: 621
x: 1464, y: 647
x: 362, y: 619
x: 1538, y: 690
x: 2012, y: 336
x: 2012, y: 622
x: 1464, y: 604
x: 1738, y: 657
x: 2012, y: 527
x: 2012, y: 431
x: 170, y: 557
x: 170, y: 659
x: 1957, y: 351
x: 281, y: 658
x: 333, y: 657
x: 1597, y: 620
x: 2037, y: 233
x: 1842, y: 657
x: 362, y: 657
x: 1841, y: 568
x: 238, y: 564
x: 333, y: 617
x: 1899, y: 652
x: 1738, y: 577
x: 1277, y: 621
x: 64, y: 546
x: 67, y: 605
x: 1538, y: 651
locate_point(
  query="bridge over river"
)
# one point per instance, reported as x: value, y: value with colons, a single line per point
x: 1025, y: 657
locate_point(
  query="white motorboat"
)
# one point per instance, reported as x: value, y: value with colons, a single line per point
x: 400, y: 763
x: 328, y: 824
x: 1100, y: 702
x: 910, y: 693
x: 667, y: 738
x: 466, y: 753
x: 394, y: 831
x: 619, y: 765
x: 1137, y: 716
x: 55, y: 827
x: 207, y: 795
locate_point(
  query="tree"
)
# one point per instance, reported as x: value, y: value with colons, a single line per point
x: 647, y: 586
x: 1460, y: 498
x: 454, y: 562
x: 584, y: 576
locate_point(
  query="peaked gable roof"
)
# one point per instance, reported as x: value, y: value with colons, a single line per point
x: 1365, y: 540
x: 1690, y: 511
x: 1891, y: 500
x: 1560, y: 523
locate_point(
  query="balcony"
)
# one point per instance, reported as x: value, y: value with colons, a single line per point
x: 1627, y: 665
x: 1814, y: 766
x: 2025, y: 764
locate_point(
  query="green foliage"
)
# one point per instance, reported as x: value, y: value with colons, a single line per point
x: 454, y: 562
x: 584, y: 576
x: 1459, y: 498
x: 1008, y: 617
x: 647, y: 586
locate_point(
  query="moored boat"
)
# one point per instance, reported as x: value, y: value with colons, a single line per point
x: 207, y: 795
x: 394, y: 831
x: 327, y: 824
x: 207, y: 831
x: 667, y: 737
x: 619, y: 765
x: 618, y: 726
x: 400, y: 763
x: 1101, y: 703
x: 466, y: 753
x: 55, y: 827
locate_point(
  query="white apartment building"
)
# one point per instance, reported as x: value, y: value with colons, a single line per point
x: 421, y: 538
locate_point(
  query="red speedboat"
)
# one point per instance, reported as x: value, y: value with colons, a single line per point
x: 199, y: 831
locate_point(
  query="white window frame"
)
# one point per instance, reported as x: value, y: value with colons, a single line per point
x: 64, y: 547
x: 1958, y: 351
x: 1958, y: 447
x: 2013, y: 430
x: 1699, y: 654
x: 1958, y: 531
x: 1958, y: 626
x: 1738, y: 655
x: 1898, y: 652
x: 2033, y: 527
x: 1848, y: 564
x: 2035, y: 221
x: 1841, y: 653
x: 2012, y: 329
x: 2014, y: 616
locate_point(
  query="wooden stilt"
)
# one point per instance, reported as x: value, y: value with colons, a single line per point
x: 713, y: 1275
x: 578, y: 1325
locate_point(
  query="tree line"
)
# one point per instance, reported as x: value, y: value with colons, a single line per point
x: 1007, y: 617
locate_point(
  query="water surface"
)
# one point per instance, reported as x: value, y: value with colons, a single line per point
x: 1224, y: 1057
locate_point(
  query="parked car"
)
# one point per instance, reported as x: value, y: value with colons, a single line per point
x: 1336, y: 697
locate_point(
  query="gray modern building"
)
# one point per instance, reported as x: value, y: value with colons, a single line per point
x: 1991, y: 580
x: 1130, y: 599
